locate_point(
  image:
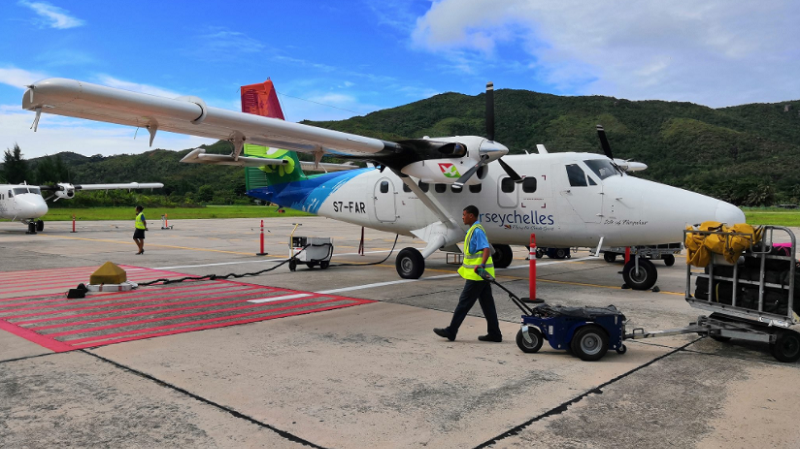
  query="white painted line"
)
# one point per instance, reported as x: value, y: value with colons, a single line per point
x: 432, y: 278
x: 278, y: 298
x: 260, y: 261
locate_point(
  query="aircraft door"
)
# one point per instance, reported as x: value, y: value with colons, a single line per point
x: 384, y: 200
x: 507, y: 192
x: 584, y: 193
x: 8, y: 205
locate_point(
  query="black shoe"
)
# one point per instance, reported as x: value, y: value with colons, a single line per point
x: 444, y: 332
x: 490, y: 337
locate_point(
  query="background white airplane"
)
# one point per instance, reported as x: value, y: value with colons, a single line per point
x: 566, y: 199
x: 24, y: 203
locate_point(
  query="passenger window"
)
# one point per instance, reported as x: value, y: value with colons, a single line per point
x: 424, y: 186
x: 507, y: 185
x: 455, y: 189
x: 385, y: 187
x: 440, y: 188
x: 406, y: 188
x: 577, y: 178
x: 475, y: 188
x: 10, y: 194
x: 529, y: 185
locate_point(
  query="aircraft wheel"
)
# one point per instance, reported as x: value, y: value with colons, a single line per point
x: 39, y: 226
x: 558, y: 253
x: 31, y: 228
x: 504, y: 256
x: 590, y: 343
x: 610, y: 257
x: 410, y: 264
x: 644, y: 279
x: 669, y: 260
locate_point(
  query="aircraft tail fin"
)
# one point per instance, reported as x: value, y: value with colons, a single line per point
x: 262, y: 99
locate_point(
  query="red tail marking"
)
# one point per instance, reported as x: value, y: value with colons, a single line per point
x: 261, y: 99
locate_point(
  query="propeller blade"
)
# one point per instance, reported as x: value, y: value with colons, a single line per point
x: 511, y: 173
x: 465, y: 177
x: 490, y: 111
x: 601, y: 133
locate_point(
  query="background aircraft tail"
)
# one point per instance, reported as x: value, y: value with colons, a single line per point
x: 261, y: 99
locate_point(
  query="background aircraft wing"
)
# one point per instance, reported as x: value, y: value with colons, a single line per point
x: 190, y: 115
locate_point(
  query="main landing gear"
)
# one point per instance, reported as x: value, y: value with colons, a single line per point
x: 642, y: 277
x: 410, y: 263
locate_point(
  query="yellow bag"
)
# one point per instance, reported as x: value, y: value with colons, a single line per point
x: 697, y: 254
x: 739, y: 243
x: 700, y: 246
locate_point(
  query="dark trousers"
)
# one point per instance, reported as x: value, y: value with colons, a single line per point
x: 476, y: 291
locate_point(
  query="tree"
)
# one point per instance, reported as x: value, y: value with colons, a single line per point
x: 15, y: 168
x: 205, y: 193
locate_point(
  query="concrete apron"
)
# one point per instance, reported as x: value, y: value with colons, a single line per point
x: 374, y: 376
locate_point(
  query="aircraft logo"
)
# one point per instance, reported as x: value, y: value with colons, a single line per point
x: 273, y: 153
x: 449, y: 170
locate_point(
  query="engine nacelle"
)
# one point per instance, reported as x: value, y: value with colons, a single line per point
x: 443, y: 171
x: 65, y: 191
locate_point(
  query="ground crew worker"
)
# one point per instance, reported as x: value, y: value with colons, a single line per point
x: 477, y: 254
x: 141, y: 226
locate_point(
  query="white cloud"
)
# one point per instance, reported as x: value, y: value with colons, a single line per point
x: 110, y: 81
x: 18, y: 77
x: 53, y: 16
x: 714, y: 53
x: 57, y: 134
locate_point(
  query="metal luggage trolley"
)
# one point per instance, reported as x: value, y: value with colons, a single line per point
x: 751, y: 300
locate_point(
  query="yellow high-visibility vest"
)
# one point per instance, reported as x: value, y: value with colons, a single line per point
x: 139, y: 221
x: 472, y: 261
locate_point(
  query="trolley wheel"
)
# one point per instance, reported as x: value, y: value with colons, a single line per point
x: 325, y: 264
x: 505, y: 255
x: 535, y: 345
x: 410, y: 264
x: 539, y: 253
x: 39, y: 226
x: 669, y: 259
x: 590, y: 343
x: 610, y: 257
x: 292, y: 265
x: 787, y: 346
x: 622, y: 349
x: 644, y: 279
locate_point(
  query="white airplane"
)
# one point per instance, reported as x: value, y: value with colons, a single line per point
x: 24, y: 203
x: 566, y: 199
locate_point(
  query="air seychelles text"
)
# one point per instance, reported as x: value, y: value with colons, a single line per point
x: 532, y: 218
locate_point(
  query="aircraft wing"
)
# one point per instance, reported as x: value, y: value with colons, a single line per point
x: 128, y: 186
x: 190, y: 115
x: 199, y: 156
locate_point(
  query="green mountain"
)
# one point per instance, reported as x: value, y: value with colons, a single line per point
x: 746, y: 154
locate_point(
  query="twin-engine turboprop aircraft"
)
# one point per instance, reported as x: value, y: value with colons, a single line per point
x: 566, y: 199
x: 24, y: 203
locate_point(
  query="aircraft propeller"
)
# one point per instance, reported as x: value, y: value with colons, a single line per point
x: 601, y: 133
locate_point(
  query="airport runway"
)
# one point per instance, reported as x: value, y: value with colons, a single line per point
x: 346, y: 357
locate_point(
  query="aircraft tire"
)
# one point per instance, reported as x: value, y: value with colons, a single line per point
x: 645, y: 279
x: 505, y: 255
x: 610, y: 257
x: 669, y: 259
x: 39, y: 226
x: 558, y: 253
x: 410, y: 264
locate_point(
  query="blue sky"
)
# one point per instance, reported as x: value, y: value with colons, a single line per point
x: 352, y: 57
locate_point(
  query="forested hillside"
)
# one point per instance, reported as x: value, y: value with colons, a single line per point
x: 748, y: 155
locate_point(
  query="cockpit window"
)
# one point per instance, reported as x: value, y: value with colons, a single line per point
x: 34, y: 190
x: 577, y: 178
x: 603, y: 168
x: 20, y: 190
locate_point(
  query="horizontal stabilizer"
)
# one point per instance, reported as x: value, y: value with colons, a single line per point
x: 199, y: 156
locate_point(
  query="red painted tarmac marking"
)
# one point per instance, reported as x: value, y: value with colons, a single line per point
x: 50, y: 312
x: 70, y: 283
x: 116, y: 295
x: 49, y: 343
x: 62, y: 302
x: 191, y: 323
